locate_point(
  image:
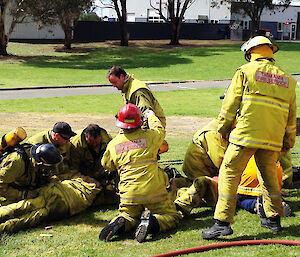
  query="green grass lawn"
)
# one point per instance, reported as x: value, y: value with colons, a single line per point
x: 78, y: 236
x: 201, y: 103
x: 41, y: 65
x: 45, y: 65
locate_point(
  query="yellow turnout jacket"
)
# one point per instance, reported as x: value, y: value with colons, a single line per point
x: 14, y: 177
x: 85, y: 160
x: 136, y: 92
x: 261, y: 100
x: 134, y: 155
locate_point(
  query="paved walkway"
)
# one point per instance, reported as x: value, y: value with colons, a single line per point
x: 26, y: 93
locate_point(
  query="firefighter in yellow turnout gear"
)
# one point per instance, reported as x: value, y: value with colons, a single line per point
x: 87, y: 149
x: 133, y: 152
x: 56, y: 200
x: 203, y: 192
x: 261, y: 101
x: 136, y: 92
x: 24, y: 170
x: 59, y: 136
x: 205, y: 153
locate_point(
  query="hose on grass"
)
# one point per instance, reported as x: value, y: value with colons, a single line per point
x: 205, y: 248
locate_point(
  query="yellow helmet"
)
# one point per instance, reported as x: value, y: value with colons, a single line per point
x: 257, y: 41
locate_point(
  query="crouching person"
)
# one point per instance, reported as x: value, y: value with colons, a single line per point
x: 133, y: 152
x: 24, y: 168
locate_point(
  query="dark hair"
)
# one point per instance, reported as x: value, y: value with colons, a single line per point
x: 92, y: 130
x: 117, y: 71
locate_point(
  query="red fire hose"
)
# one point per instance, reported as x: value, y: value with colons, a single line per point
x: 225, y: 245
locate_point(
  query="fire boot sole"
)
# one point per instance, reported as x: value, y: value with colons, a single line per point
x: 144, y: 227
x: 111, y: 229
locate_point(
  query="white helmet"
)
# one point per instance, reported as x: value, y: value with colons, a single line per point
x: 257, y: 41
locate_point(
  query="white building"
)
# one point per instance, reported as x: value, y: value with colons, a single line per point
x: 283, y: 25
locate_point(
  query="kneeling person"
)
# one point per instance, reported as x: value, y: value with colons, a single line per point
x: 133, y: 152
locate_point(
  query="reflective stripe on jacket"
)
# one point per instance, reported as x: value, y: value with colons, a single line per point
x: 261, y: 101
x: 77, y: 193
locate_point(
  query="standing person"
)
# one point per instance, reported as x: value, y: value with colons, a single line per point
x: 135, y: 91
x: 133, y: 152
x: 59, y: 136
x: 261, y: 101
x: 138, y: 93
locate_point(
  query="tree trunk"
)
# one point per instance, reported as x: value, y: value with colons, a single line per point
x: 66, y: 24
x: 255, y: 27
x: 3, y: 37
x: 124, y: 33
x: 175, y: 30
x: 68, y: 37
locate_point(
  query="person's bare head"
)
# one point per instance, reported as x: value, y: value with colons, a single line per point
x: 117, y: 76
x: 92, y: 135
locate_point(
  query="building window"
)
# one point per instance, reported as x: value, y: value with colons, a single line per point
x: 244, y: 25
x: 153, y: 16
x: 131, y: 17
x: 279, y: 26
x: 155, y: 19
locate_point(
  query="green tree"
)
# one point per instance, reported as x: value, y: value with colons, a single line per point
x: 88, y: 16
x: 174, y: 16
x: 254, y: 9
x: 120, y: 6
x: 62, y: 12
x: 10, y: 15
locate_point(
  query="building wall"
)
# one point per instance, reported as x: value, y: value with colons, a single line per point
x: 270, y: 20
x: 32, y: 30
x: 142, y: 10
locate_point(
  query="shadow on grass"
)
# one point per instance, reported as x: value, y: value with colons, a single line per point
x: 95, y: 58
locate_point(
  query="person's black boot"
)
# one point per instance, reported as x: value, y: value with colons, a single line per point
x: 148, y: 225
x: 116, y: 227
x: 220, y: 228
x: 272, y: 223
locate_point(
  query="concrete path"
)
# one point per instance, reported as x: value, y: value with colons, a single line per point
x: 26, y: 93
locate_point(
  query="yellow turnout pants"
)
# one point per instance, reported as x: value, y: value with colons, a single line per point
x: 165, y: 213
x: 30, y: 212
x: 203, y: 191
x: 235, y: 161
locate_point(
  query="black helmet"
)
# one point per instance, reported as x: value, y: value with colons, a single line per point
x: 47, y: 154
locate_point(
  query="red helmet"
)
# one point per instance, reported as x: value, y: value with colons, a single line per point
x: 129, y: 117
